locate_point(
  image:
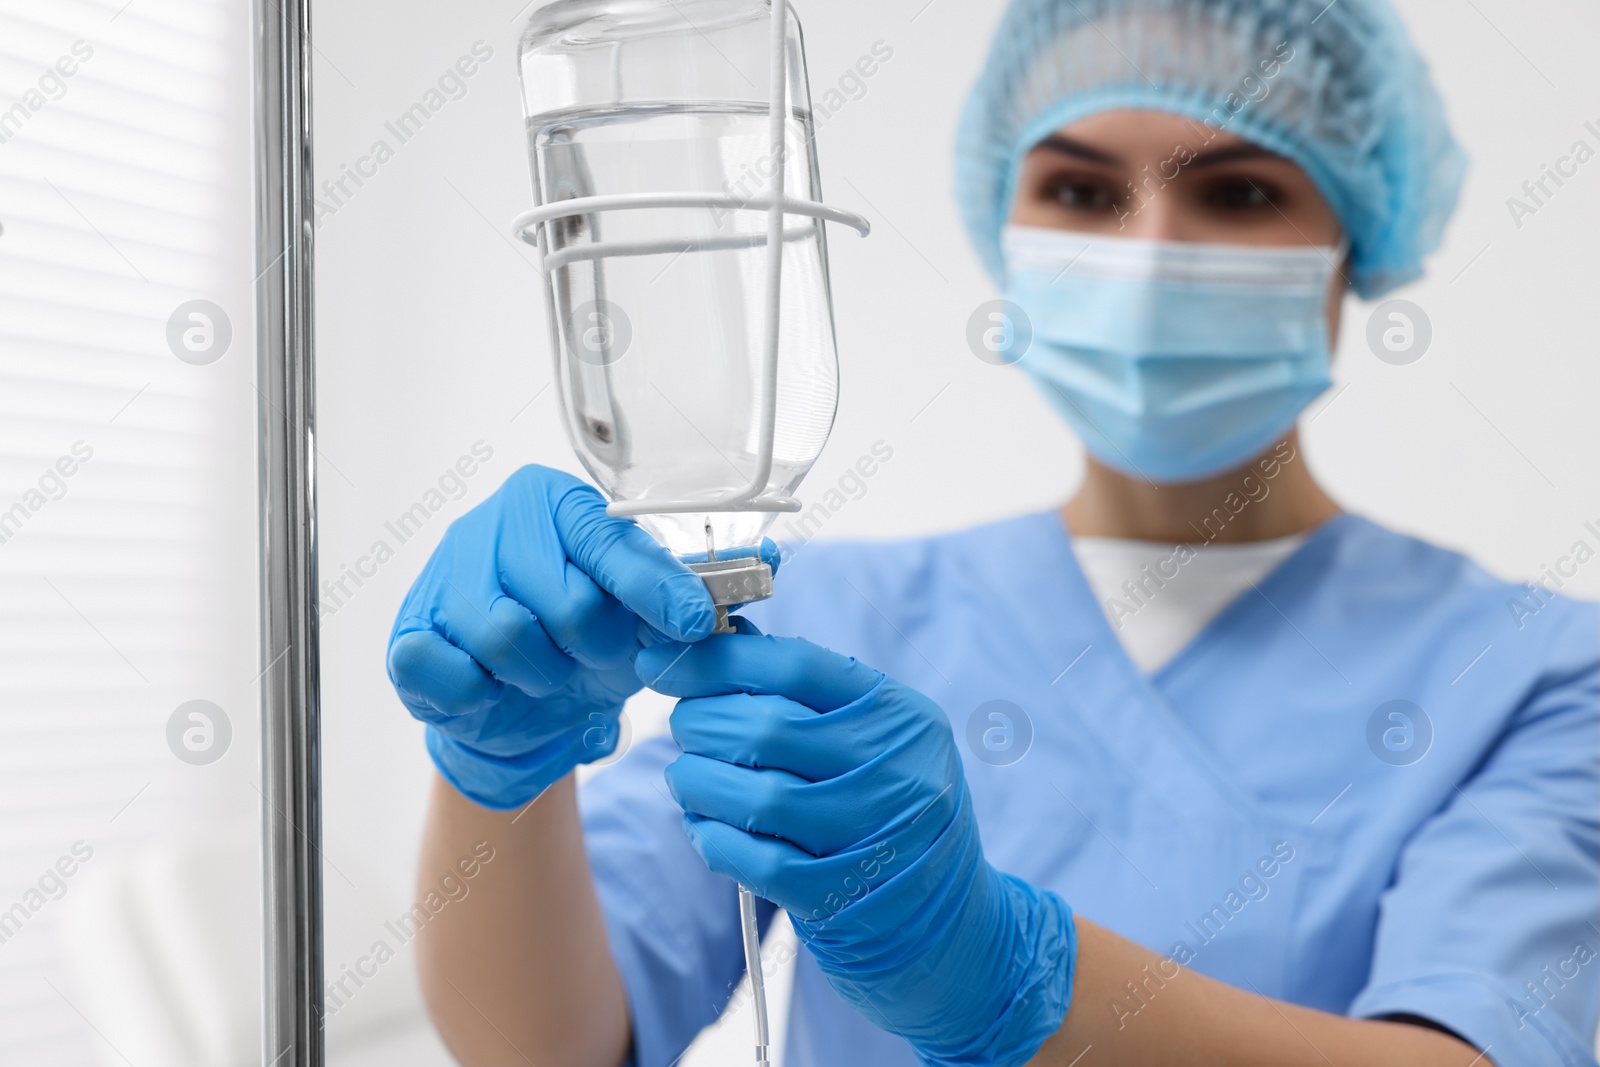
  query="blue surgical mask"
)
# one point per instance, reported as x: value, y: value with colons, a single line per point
x: 1173, y: 361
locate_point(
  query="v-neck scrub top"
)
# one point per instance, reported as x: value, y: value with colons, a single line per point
x: 1368, y: 786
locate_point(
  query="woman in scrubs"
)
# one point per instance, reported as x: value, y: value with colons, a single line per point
x: 1198, y: 769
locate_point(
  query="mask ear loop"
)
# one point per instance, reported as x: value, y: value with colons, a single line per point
x: 1341, y: 267
x: 1341, y: 259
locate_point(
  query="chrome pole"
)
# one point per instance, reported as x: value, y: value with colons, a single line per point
x: 290, y: 766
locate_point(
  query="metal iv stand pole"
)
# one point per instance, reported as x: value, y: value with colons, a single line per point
x: 290, y: 767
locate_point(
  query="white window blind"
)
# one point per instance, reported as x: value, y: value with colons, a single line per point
x: 126, y: 537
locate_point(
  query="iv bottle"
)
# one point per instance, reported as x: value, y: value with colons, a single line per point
x: 658, y: 315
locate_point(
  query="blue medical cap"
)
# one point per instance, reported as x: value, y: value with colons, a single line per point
x: 1337, y: 88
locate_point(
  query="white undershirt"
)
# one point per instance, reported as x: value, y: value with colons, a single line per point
x: 1183, y: 589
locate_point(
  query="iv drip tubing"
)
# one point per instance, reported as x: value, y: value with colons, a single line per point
x: 752, y: 963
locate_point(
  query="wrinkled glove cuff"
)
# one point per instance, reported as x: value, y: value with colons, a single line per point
x: 499, y: 783
x: 971, y: 966
x: 1030, y: 943
x: 1044, y: 991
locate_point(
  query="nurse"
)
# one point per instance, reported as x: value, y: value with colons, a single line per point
x: 1198, y: 769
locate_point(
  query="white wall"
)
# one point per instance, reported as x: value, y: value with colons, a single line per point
x: 430, y: 339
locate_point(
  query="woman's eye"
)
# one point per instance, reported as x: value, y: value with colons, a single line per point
x: 1084, y: 196
x: 1241, y: 194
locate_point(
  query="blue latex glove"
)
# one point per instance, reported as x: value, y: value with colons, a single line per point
x: 836, y: 792
x: 516, y: 643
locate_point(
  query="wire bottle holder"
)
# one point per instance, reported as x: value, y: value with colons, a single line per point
x: 530, y: 227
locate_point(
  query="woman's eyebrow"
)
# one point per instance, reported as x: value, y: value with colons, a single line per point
x: 1068, y: 147
x: 1231, y: 154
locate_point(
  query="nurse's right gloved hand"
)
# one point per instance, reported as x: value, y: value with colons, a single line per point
x: 516, y: 643
x: 838, y: 794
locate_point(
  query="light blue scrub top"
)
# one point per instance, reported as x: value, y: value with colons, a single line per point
x: 1228, y: 812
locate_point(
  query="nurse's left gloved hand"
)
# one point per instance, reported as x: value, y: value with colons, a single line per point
x: 837, y: 793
